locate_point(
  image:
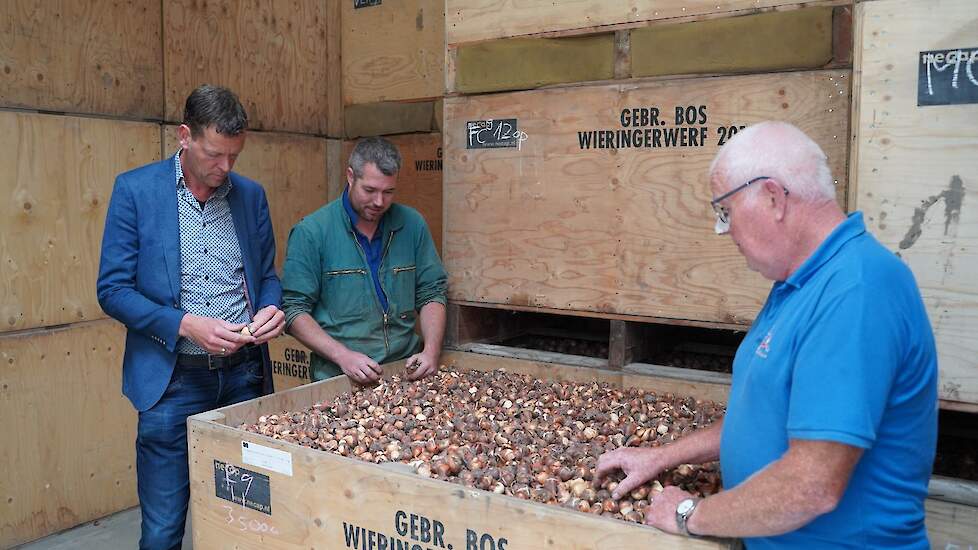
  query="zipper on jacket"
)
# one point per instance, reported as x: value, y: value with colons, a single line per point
x: 402, y: 269
x: 383, y: 256
x: 347, y: 272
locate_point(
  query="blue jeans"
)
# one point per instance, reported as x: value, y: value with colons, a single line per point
x: 162, y: 473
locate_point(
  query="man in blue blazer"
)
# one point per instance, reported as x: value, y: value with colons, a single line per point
x: 187, y: 265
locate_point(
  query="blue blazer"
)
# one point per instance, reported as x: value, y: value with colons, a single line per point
x: 139, y: 272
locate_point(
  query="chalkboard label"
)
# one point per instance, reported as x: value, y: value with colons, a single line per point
x: 243, y: 487
x: 948, y: 77
x: 357, y: 4
x: 493, y: 134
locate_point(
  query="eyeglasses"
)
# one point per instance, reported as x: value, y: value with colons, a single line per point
x: 723, y: 215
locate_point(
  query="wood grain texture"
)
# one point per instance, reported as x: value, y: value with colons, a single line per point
x: 419, y: 184
x: 474, y: 20
x: 917, y: 170
x: 951, y: 526
x: 615, y: 231
x: 290, y: 362
x: 100, y: 56
x: 56, y: 184
x: 393, y: 51
x: 68, y: 432
x: 292, y: 169
x: 309, y: 507
x: 272, y: 54
x: 777, y: 40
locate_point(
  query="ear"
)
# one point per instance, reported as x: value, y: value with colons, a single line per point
x: 183, y: 134
x: 776, y: 197
x: 349, y: 176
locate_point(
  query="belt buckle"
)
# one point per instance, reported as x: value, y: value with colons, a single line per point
x: 210, y: 363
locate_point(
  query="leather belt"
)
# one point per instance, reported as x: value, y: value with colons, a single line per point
x: 213, y: 362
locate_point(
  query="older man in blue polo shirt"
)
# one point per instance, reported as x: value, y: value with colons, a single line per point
x: 831, y: 424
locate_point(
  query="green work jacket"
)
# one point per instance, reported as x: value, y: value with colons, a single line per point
x: 327, y: 276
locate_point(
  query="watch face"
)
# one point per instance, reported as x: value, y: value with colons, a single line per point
x: 685, y: 506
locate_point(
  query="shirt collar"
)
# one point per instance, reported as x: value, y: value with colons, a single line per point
x: 852, y: 227
x: 221, y: 191
x: 353, y: 214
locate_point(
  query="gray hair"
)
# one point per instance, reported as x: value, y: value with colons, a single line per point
x: 377, y: 151
x: 781, y: 151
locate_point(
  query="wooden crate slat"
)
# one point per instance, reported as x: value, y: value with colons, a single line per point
x: 57, y: 184
x: 68, y: 432
x: 916, y: 168
x: 474, y: 20
x: 393, y: 51
x: 100, y: 57
x: 273, y: 55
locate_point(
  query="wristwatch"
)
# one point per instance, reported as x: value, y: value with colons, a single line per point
x: 683, y: 511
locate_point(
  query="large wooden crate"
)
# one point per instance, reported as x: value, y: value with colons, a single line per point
x: 56, y: 186
x: 915, y: 164
x: 393, y: 51
x: 293, y: 170
x: 561, y: 217
x: 68, y: 433
x: 280, y: 57
x: 316, y: 499
x: 98, y: 56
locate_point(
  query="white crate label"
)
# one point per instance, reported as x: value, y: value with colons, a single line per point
x: 266, y: 457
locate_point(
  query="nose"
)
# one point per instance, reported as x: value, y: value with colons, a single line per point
x: 226, y: 164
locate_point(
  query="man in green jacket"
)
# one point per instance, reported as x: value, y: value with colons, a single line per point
x: 359, y: 270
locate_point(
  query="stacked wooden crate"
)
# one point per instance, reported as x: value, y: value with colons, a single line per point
x: 579, y: 185
x: 89, y: 90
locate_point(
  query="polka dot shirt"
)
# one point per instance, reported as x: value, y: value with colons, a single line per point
x: 212, y: 282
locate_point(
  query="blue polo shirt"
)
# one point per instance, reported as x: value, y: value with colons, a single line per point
x: 373, y: 248
x: 842, y: 351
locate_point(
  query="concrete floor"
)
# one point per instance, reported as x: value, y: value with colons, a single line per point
x: 116, y: 532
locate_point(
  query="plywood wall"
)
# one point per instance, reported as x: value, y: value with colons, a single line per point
x: 290, y: 362
x: 474, y: 20
x: 393, y: 51
x: 68, y: 434
x: 291, y: 168
x: 98, y: 56
x: 916, y: 167
x: 273, y: 54
x: 616, y: 230
x: 56, y: 183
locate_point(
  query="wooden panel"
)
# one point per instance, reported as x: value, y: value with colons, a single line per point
x: 951, y: 526
x: 917, y: 169
x: 272, y: 54
x: 756, y: 43
x: 291, y: 168
x: 68, y: 432
x: 290, y: 362
x: 386, y: 118
x: 524, y: 63
x: 56, y: 184
x: 393, y: 51
x: 555, y: 224
x: 419, y: 185
x: 100, y: 56
x: 306, y: 511
x: 472, y: 20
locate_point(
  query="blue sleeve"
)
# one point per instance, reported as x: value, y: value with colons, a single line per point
x: 845, y: 367
x: 271, y: 288
x: 116, y: 286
